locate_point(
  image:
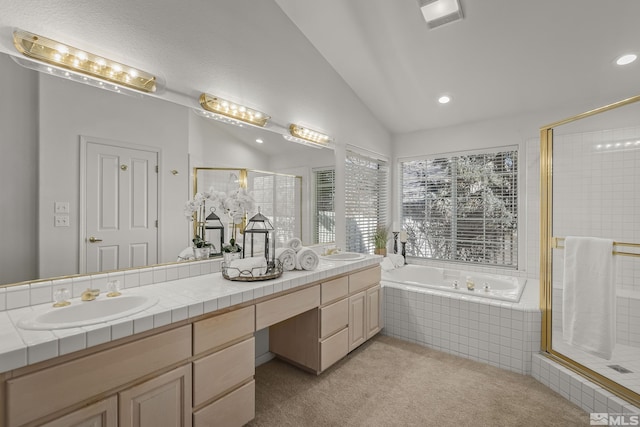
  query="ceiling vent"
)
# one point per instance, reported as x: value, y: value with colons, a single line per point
x: 440, y: 12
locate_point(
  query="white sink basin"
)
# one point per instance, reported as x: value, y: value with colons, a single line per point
x: 83, y: 313
x: 344, y: 256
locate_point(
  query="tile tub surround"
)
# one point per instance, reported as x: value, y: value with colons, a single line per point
x: 201, y: 291
x: 502, y: 334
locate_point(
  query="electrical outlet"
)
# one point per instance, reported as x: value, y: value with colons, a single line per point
x: 61, y: 221
x: 61, y: 207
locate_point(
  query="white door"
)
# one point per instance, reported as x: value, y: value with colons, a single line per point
x: 121, y: 200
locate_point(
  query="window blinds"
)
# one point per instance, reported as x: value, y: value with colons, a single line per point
x: 324, y: 225
x: 366, y: 199
x: 462, y: 208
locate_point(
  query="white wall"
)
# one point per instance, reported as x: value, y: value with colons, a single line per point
x: 18, y: 172
x: 69, y: 110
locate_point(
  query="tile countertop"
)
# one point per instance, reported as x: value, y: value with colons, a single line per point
x: 177, y: 300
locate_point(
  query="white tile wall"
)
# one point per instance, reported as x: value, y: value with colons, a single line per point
x: 41, y: 292
x: 500, y: 334
x: 587, y: 395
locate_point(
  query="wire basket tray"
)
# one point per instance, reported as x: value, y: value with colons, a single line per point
x: 253, y: 275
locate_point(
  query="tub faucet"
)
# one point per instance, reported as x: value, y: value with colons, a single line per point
x: 90, y: 294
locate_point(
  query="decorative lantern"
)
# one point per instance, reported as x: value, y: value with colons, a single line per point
x: 256, y: 235
x: 215, y: 232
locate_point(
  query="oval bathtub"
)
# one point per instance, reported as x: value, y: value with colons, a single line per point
x: 504, y: 288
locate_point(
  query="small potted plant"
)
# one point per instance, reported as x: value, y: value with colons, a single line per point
x: 231, y: 251
x: 380, y: 239
x: 201, y: 248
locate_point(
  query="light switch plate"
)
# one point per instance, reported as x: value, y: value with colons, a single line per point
x: 61, y: 207
x: 61, y: 221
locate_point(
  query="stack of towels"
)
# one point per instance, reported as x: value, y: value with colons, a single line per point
x: 392, y: 261
x: 248, y: 267
x: 294, y: 256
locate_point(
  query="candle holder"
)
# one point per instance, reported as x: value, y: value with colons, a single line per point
x: 395, y: 242
x: 404, y: 251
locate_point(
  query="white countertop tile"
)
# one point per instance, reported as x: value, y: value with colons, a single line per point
x: 178, y: 300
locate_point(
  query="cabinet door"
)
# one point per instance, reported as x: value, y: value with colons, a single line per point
x: 357, y: 328
x: 99, y: 414
x: 164, y: 401
x: 373, y: 323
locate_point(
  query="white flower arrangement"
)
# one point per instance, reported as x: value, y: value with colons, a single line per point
x: 236, y: 204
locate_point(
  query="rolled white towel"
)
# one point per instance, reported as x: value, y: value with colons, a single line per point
x: 386, y: 264
x: 247, y: 267
x: 307, y: 259
x: 287, y: 257
x: 396, y: 259
x: 294, y: 243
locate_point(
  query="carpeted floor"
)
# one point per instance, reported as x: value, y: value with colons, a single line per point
x: 389, y: 382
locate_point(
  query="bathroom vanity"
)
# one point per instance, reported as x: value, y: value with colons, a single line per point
x: 199, y: 370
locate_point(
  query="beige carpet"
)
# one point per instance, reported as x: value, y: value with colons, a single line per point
x: 389, y: 382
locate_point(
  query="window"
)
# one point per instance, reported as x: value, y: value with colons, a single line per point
x: 324, y: 224
x: 365, y: 200
x: 278, y: 197
x: 462, y: 207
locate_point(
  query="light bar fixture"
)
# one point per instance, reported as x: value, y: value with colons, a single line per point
x: 440, y: 12
x: 82, y: 62
x: 306, y: 136
x: 232, y: 110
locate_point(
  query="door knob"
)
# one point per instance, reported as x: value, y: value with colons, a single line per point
x: 94, y: 240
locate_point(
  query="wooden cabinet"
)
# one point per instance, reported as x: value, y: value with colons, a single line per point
x: 348, y: 315
x: 100, y: 414
x: 164, y: 401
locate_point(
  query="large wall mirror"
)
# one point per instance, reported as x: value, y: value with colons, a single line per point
x: 277, y: 196
x: 48, y: 127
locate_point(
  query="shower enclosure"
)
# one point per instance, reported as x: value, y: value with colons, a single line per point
x: 590, y: 187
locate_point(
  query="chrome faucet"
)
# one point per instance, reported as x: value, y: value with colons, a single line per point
x: 90, y: 294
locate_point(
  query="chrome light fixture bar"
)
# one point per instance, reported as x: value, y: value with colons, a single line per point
x: 232, y: 110
x: 81, y: 62
x: 306, y: 136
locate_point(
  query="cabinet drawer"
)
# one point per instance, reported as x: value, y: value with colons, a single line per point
x: 334, y: 289
x: 334, y: 348
x: 363, y: 279
x: 334, y: 317
x: 63, y: 385
x: 219, y: 330
x: 278, y: 309
x: 223, y: 370
x: 235, y: 409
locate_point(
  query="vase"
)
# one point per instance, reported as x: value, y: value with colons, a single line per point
x: 380, y: 251
x: 230, y: 256
x: 201, y: 253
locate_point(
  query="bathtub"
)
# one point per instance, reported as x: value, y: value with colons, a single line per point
x: 503, y: 288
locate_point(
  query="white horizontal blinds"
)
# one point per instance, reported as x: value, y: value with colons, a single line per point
x: 324, y: 224
x: 278, y: 197
x: 462, y: 208
x: 365, y: 200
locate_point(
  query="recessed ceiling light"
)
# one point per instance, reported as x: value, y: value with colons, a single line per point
x: 259, y: 141
x: 444, y: 99
x: 626, y: 59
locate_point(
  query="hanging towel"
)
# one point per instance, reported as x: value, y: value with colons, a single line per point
x: 287, y: 257
x: 589, y: 296
x: 294, y: 243
x: 306, y: 259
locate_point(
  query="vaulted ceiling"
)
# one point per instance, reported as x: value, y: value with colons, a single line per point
x: 504, y: 58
